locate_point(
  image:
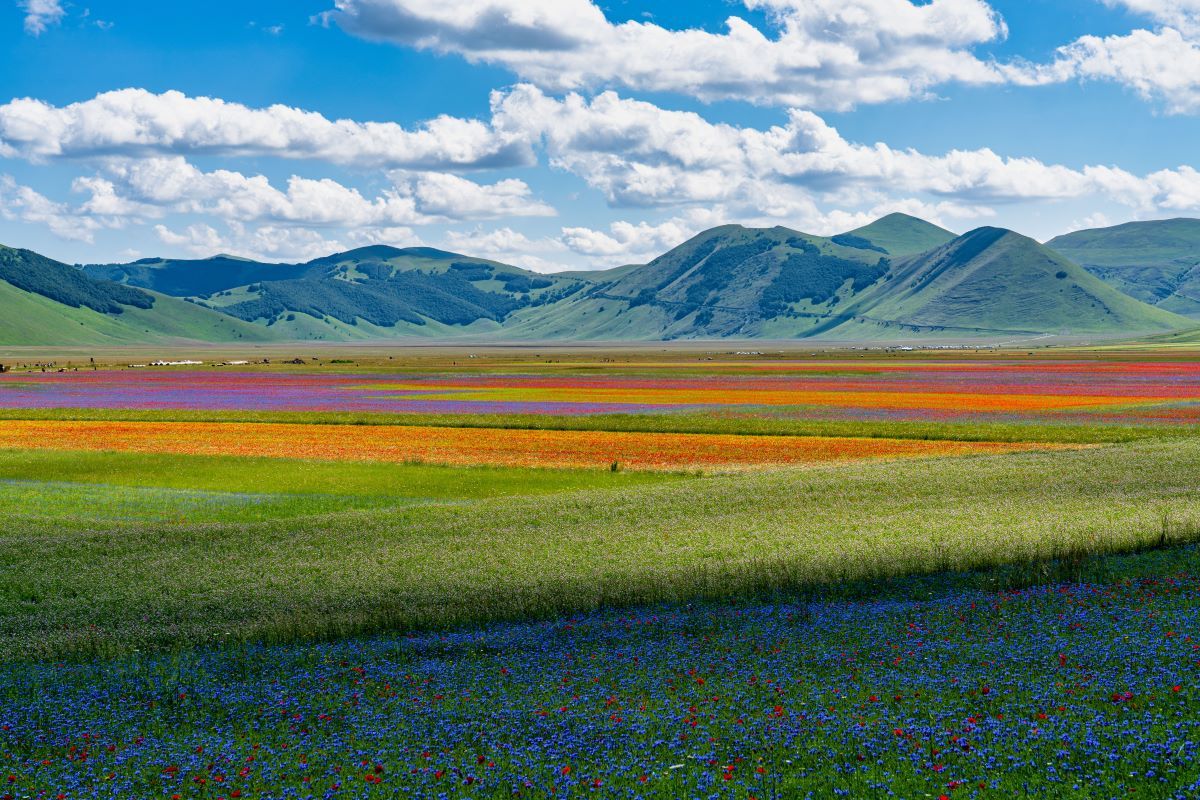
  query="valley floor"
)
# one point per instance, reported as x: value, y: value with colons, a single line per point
x: 332, y: 579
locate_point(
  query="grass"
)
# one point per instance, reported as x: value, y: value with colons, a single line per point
x: 288, y: 476
x: 84, y: 588
x: 1064, y: 691
x: 114, y: 487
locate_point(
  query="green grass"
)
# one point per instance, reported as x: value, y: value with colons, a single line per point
x: 83, y: 587
x: 902, y: 235
x: 1156, y: 261
x: 113, y: 487
x: 1082, y: 432
x: 31, y: 319
x: 64, y: 502
x: 294, y: 476
x: 1000, y: 280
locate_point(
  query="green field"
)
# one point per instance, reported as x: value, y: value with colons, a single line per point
x: 112, y: 486
x: 77, y: 583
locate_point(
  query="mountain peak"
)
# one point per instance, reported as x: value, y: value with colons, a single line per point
x: 901, y: 235
x: 1001, y: 280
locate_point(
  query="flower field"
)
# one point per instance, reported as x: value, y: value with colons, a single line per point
x: 1094, y: 391
x: 473, y: 446
x: 1077, y: 690
x: 489, y: 577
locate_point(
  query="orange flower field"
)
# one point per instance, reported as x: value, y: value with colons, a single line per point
x: 835, y: 397
x: 474, y: 446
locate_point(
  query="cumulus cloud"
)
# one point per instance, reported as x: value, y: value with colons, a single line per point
x: 24, y: 204
x: 1162, y: 65
x: 441, y: 194
x: 264, y: 242
x: 508, y: 246
x: 135, y: 122
x: 41, y: 15
x: 820, y: 53
x: 817, y: 54
x: 638, y: 154
x: 627, y: 242
x: 1182, y: 14
x: 153, y: 186
x: 627, y: 239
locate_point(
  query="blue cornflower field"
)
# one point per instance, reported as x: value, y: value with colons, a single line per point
x: 1062, y: 690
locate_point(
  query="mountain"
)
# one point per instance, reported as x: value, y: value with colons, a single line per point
x: 998, y: 280
x: 898, y: 235
x: 192, y: 278
x: 1157, y: 262
x: 778, y: 283
x: 873, y: 283
x: 49, y: 303
x: 371, y: 292
x: 727, y: 281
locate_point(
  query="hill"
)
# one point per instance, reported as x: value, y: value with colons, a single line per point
x: 779, y: 283
x: 192, y: 278
x: 898, y: 235
x: 49, y: 303
x: 385, y: 292
x: 1157, y: 262
x: 367, y: 293
x: 995, y: 279
x: 730, y: 281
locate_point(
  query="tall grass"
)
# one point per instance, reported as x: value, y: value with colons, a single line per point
x: 84, y: 588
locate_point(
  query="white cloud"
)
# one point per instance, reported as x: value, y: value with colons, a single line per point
x: 135, y: 122
x: 638, y: 154
x: 441, y: 194
x: 199, y: 238
x: 821, y: 53
x: 276, y: 242
x: 23, y: 204
x: 1091, y: 221
x: 1161, y: 65
x: 41, y: 15
x: 629, y: 242
x: 265, y: 242
x: 152, y: 186
x: 509, y: 247
x: 396, y: 237
x: 626, y: 240
x: 1182, y: 14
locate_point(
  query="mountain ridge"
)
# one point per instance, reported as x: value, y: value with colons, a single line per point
x: 1156, y: 261
x: 729, y: 281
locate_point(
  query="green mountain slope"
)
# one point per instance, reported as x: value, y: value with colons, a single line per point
x: 33, y: 272
x: 387, y: 292
x: 49, y: 303
x: 1157, y: 262
x: 778, y: 283
x: 898, y: 235
x: 192, y: 278
x: 730, y: 281
x: 998, y: 280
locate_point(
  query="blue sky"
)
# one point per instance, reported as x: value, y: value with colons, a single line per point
x: 561, y: 133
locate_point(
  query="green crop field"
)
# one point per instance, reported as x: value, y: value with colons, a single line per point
x: 276, y: 566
